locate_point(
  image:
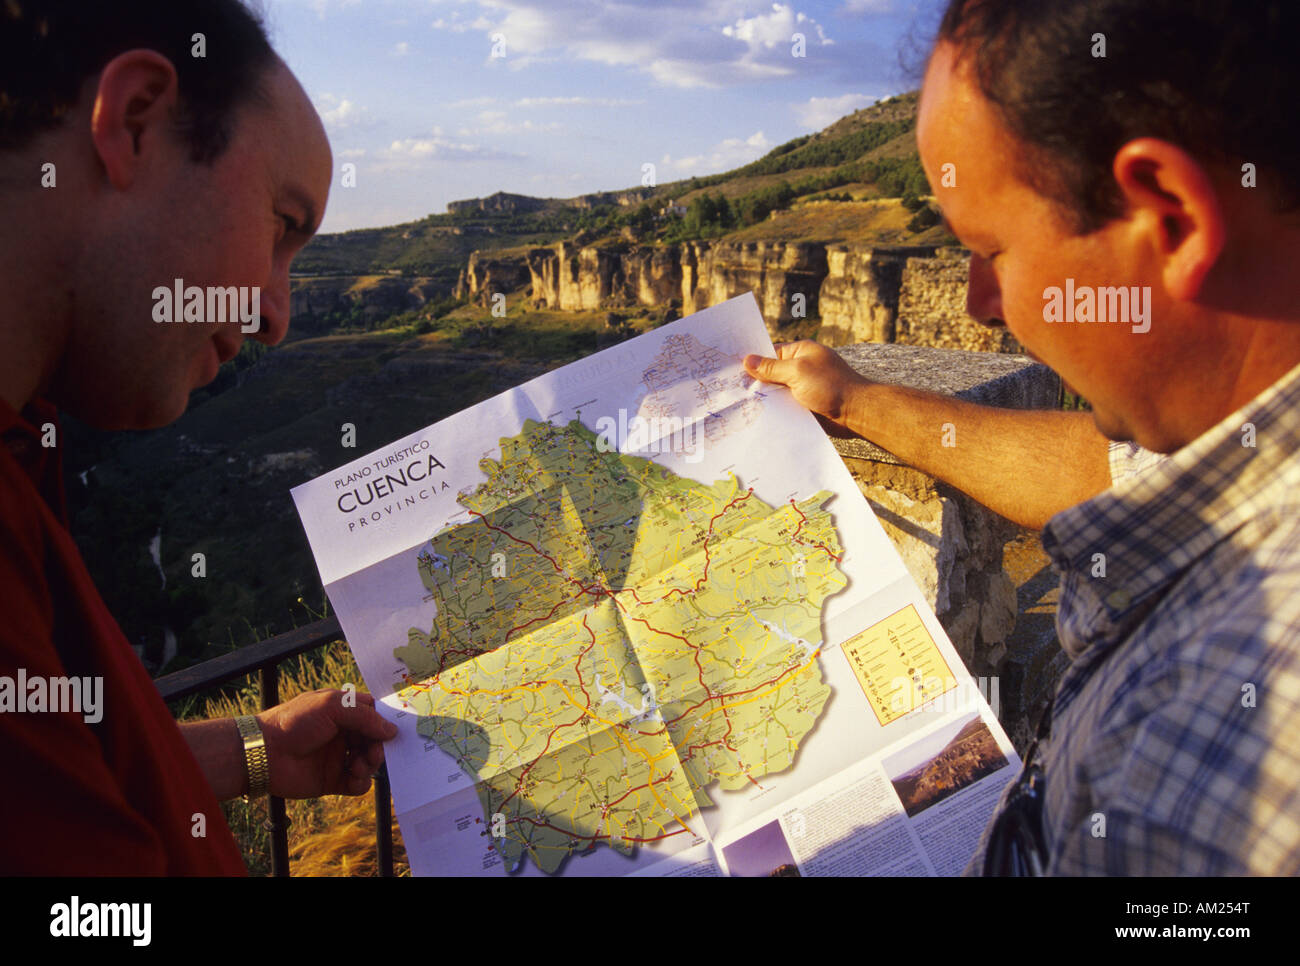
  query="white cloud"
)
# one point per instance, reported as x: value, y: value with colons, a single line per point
x: 341, y: 114
x: 820, y: 112
x: 705, y: 43
x: 726, y: 154
x: 413, y: 153
x: 401, y: 49
x: 769, y: 30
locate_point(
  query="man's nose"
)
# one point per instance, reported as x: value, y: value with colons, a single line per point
x: 275, y: 307
x: 983, y: 297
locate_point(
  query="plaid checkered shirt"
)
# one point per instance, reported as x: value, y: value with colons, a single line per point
x: 1175, y: 732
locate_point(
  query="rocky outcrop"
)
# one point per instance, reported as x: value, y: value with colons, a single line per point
x: 859, y: 299
x: 653, y: 275
x: 786, y: 278
x: 488, y: 273
x: 624, y: 199
x: 911, y: 295
x: 574, y: 279
x: 311, y: 299
x: 499, y: 202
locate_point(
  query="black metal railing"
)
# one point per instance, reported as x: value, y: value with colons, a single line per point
x: 264, y: 658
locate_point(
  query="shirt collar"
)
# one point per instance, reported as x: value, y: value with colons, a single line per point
x: 1148, y: 530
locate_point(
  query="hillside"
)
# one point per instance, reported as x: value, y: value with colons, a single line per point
x: 868, y: 154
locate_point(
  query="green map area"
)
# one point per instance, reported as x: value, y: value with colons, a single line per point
x: 612, y: 639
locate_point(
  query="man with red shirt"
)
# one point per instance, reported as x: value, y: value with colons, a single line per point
x: 140, y: 142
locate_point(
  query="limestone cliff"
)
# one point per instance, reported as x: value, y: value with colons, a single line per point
x: 786, y: 278
x: 859, y: 299
x: 694, y: 275
x: 572, y: 279
x: 488, y: 273
x: 653, y: 275
x: 914, y: 295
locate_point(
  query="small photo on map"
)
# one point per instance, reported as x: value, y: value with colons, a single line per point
x: 943, y: 763
x: 763, y: 852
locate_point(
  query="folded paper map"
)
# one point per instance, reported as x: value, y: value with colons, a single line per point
x: 635, y: 616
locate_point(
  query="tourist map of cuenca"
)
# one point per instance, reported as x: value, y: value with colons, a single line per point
x: 635, y: 617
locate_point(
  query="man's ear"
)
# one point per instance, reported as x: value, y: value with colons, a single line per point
x: 134, y: 106
x: 1186, y: 219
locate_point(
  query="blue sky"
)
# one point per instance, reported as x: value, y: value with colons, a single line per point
x: 585, y: 94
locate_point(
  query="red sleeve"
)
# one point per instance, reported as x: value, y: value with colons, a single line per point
x: 114, y: 796
x: 63, y: 811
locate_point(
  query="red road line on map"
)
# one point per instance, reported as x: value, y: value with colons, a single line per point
x: 609, y: 805
x: 511, y: 536
x: 549, y: 738
x: 520, y: 627
x: 735, y: 694
x: 802, y: 520
x: 700, y: 583
x: 577, y: 665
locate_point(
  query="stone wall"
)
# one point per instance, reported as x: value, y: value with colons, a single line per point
x: 932, y: 307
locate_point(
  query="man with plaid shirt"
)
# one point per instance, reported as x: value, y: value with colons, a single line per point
x: 1094, y: 147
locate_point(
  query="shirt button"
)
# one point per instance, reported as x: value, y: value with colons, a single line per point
x: 1118, y: 599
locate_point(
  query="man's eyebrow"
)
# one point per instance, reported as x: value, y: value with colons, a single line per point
x: 310, y: 222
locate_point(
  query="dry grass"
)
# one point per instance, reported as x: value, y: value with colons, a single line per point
x: 876, y: 221
x: 329, y: 836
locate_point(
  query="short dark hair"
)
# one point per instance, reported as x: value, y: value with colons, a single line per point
x: 48, y: 48
x: 1216, y: 77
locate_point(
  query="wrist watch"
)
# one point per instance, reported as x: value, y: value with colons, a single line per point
x: 255, y: 761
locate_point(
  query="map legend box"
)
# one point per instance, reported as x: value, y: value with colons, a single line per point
x: 898, y: 664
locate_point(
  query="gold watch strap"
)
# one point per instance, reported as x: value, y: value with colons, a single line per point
x: 255, y: 761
